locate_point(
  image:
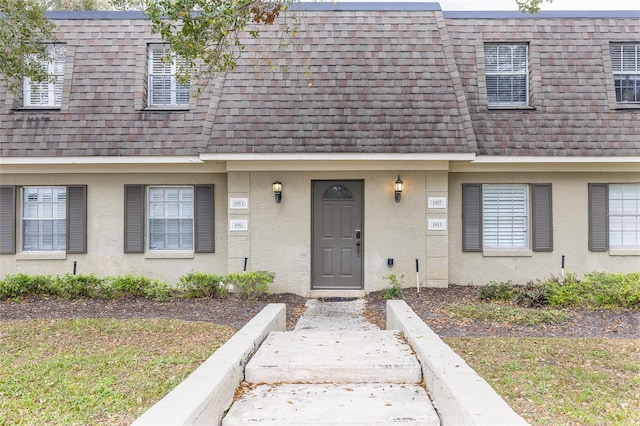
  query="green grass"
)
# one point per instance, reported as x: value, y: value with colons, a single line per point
x: 504, y: 314
x: 95, y: 371
x: 554, y: 381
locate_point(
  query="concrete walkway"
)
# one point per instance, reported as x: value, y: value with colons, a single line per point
x: 335, y: 368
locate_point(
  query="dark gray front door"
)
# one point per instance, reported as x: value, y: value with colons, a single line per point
x: 337, y: 237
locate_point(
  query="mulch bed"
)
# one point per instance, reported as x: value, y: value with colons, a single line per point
x: 430, y: 304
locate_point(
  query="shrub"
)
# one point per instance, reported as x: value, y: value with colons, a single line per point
x: 394, y: 291
x: 531, y: 295
x: 19, y: 285
x: 613, y: 290
x: 502, y: 290
x: 158, y: 291
x: 123, y: 286
x: 196, y: 284
x: 71, y: 286
x: 250, y: 285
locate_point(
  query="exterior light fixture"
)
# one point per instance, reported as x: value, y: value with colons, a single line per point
x: 399, y: 186
x: 277, y: 190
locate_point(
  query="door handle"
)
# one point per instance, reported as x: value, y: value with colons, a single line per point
x: 358, y: 248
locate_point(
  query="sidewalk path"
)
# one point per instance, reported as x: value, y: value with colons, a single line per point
x: 335, y: 368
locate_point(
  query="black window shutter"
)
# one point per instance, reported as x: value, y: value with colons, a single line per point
x: 7, y: 219
x: 542, y: 217
x: 134, y: 218
x: 471, y: 217
x: 204, y: 219
x: 77, y: 219
x: 598, y: 217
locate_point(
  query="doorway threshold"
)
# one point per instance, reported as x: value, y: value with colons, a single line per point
x: 323, y: 294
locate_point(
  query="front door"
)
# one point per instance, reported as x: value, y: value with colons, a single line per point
x: 337, y: 235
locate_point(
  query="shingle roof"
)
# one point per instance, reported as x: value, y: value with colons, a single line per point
x: 356, y: 81
x: 571, y: 85
x: 399, y: 79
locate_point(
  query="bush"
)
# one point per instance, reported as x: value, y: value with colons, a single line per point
x: 503, y: 290
x: 531, y: 295
x: 196, y: 284
x: 250, y: 285
x: 126, y: 285
x: 71, y: 286
x: 158, y: 291
x: 394, y: 291
x: 19, y: 285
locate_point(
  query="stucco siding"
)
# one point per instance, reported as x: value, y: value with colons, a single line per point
x: 570, y: 232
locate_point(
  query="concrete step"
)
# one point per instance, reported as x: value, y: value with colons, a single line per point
x: 380, y: 356
x: 332, y: 404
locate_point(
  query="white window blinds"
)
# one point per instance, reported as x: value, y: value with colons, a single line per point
x: 507, y: 74
x: 48, y: 92
x: 624, y: 215
x: 625, y: 62
x: 505, y: 220
x: 163, y: 86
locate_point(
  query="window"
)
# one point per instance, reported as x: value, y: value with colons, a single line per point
x: 625, y: 61
x: 614, y: 216
x: 164, y: 88
x: 507, y: 74
x: 170, y: 218
x: 49, y: 92
x: 44, y: 218
x: 51, y: 218
x: 506, y: 216
x: 162, y: 218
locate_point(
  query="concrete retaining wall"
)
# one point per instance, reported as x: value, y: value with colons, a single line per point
x: 459, y: 394
x: 204, y: 396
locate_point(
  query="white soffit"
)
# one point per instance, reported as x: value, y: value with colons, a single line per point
x: 546, y: 164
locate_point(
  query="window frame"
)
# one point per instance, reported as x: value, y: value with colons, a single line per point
x: 506, y: 214
x: 56, y: 205
x: 136, y: 221
x: 151, y: 217
x: 54, y: 85
x: 508, y: 73
x: 540, y: 220
x: 176, y: 90
x: 619, y: 72
x: 627, y: 216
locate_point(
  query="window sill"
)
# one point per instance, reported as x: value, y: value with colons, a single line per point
x: 624, y: 252
x: 41, y: 255
x: 507, y: 253
x: 43, y: 108
x: 167, y: 108
x: 629, y: 106
x: 511, y: 108
x: 169, y: 254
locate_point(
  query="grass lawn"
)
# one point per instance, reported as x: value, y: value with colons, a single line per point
x: 553, y: 381
x: 96, y: 371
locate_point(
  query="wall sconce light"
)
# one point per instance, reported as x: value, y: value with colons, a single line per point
x: 277, y: 190
x: 399, y: 186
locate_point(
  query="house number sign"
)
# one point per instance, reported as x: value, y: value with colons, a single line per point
x: 437, y: 224
x: 437, y: 202
x: 238, y: 225
x: 238, y: 203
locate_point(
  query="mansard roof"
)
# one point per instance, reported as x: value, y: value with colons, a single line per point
x: 357, y: 78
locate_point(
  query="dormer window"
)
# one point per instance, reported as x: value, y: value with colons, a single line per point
x: 625, y: 62
x: 164, y: 88
x: 47, y: 93
x: 507, y: 74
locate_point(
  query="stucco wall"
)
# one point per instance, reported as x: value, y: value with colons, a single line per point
x: 280, y: 234
x: 570, y: 232
x: 105, y: 235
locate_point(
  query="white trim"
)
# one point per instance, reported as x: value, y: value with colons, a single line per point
x: 500, y: 159
x: 507, y: 253
x: 169, y: 254
x: 100, y: 160
x: 339, y: 156
x: 624, y: 252
x: 42, y: 255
